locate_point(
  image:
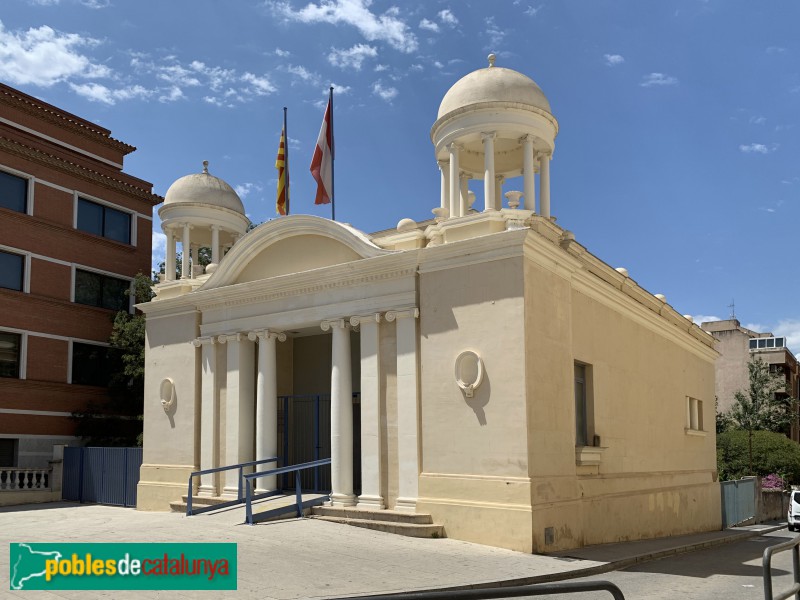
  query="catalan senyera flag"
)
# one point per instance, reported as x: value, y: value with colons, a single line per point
x: 322, y: 163
x: 282, y: 202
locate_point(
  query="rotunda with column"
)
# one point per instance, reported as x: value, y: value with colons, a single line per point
x: 199, y: 211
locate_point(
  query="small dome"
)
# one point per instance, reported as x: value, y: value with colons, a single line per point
x: 203, y: 188
x: 493, y: 84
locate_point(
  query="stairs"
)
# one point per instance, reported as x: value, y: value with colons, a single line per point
x: 389, y: 521
x: 197, y: 502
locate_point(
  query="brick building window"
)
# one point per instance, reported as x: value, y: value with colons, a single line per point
x: 10, y: 350
x: 13, y: 192
x: 95, y: 289
x: 12, y: 271
x: 90, y: 364
x: 8, y: 452
x: 104, y: 221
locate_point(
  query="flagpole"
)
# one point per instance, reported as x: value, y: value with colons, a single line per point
x: 286, y: 160
x: 333, y: 160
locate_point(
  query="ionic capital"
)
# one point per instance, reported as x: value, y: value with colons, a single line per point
x: 328, y: 324
x: 358, y: 320
x: 491, y: 135
x: 408, y: 313
x: 500, y: 178
x: 266, y: 334
x: 443, y: 164
x: 203, y: 340
x: 453, y: 147
x: 527, y: 138
x: 230, y: 337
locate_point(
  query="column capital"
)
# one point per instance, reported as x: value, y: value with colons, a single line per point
x: 500, y: 178
x: 187, y: 226
x: 230, y: 337
x: 488, y: 135
x: 443, y: 164
x: 527, y: 138
x: 406, y: 313
x: 453, y: 146
x: 216, y: 227
x: 548, y: 154
x: 358, y: 320
x: 330, y: 323
x: 207, y: 339
x: 266, y: 334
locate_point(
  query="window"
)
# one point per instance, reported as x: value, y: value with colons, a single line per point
x: 13, y: 192
x: 104, y: 221
x: 90, y: 364
x: 10, y: 346
x: 581, y: 407
x: 8, y: 453
x: 95, y: 289
x: 12, y: 271
x: 770, y: 342
x: 694, y: 414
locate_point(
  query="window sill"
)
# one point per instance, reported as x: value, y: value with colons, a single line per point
x: 694, y: 432
x: 588, y: 455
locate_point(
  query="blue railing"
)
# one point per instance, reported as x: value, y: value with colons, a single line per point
x: 239, y: 499
x: 299, y: 505
x: 542, y: 589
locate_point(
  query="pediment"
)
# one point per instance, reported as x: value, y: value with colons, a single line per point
x: 292, y: 244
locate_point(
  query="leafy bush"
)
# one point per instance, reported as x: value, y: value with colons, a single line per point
x: 772, y: 453
x: 773, y: 481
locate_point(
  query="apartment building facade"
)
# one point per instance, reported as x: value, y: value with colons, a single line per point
x: 74, y: 231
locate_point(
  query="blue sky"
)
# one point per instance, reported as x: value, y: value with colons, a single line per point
x: 677, y: 155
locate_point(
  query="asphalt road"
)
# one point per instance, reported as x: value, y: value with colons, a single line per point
x: 728, y: 571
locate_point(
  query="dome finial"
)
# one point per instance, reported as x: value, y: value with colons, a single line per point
x: 492, y: 58
x: 205, y: 167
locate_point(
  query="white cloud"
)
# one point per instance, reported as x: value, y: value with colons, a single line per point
x: 612, y: 60
x: 532, y: 11
x: 96, y: 92
x: 96, y: 4
x: 258, y: 86
x: 429, y: 25
x: 244, y: 189
x: 339, y: 89
x: 658, y: 79
x: 282, y: 53
x: 352, y: 57
x: 437, y: 64
x: 44, y: 2
x: 302, y: 73
x: 790, y: 329
x: 759, y: 120
x: 45, y: 57
x: 494, y: 33
x: 417, y: 67
x: 386, y: 27
x: 705, y: 318
x: 387, y: 94
x: 379, y: 68
x: 172, y: 94
x: 757, y: 148
x: 159, y: 251
x: 448, y: 18
x: 775, y: 50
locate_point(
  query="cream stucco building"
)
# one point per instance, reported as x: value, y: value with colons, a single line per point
x: 506, y: 381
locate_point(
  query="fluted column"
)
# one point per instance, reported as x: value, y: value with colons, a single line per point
x: 455, y: 182
x: 341, y: 414
x: 544, y: 184
x: 239, y: 400
x: 444, y: 168
x: 488, y: 171
x: 266, y: 403
x: 215, y: 244
x: 209, y: 415
x: 528, y: 173
x: 407, y: 408
x: 371, y: 475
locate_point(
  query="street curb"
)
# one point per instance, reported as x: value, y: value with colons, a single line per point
x: 587, y: 571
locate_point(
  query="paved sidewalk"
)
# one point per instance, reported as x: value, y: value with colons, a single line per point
x: 309, y: 558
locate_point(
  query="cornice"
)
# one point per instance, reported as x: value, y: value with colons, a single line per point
x: 492, y: 106
x: 471, y: 251
x: 65, y: 166
x: 44, y: 112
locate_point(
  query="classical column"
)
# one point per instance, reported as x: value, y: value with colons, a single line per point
x: 455, y: 182
x: 488, y: 171
x: 529, y: 187
x: 544, y: 184
x: 266, y: 403
x: 186, y: 252
x: 498, y: 191
x: 444, y: 166
x: 341, y: 414
x: 195, y: 263
x: 370, y: 411
x: 464, y: 188
x: 407, y: 408
x: 169, y: 266
x: 209, y: 415
x: 239, y: 399
x: 215, y: 244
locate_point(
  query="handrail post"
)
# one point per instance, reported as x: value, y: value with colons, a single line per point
x: 239, y: 488
x: 298, y: 493
x: 248, y: 503
x: 189, y: 499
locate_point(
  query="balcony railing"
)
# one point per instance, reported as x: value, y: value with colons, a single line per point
x: 14, y: 479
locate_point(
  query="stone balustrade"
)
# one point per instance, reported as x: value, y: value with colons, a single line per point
x: 14, y: 479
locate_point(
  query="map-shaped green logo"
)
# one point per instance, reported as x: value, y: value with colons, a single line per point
x: 27, y: 564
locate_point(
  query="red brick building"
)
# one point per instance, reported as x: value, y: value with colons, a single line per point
x: 74, y: 230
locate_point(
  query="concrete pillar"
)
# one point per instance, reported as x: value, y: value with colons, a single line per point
x: 195, y: 258
x: 266, y: 403
x: 455, y: 182
x: 239, y: 407
x: 341, y: 414
x: 444, y: 167
x: 209, y: 414
x: 488, y: 171
x: 464, y: 200
x: 371, y: 475
x: 544, y: 184
x: 186, y: 250
x: 215, y: 244
x: 498, y: 191
x: 529, y: 185
x: 407, y: 408
x: 169, y: 263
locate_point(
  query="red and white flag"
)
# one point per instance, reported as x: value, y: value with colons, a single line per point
x: 322, y: 163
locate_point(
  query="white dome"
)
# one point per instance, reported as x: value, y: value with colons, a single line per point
x: 493, y: 84
x: 203, y: 188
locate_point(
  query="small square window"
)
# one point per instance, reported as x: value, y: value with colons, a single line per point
x: 95, y: 289
x: 104, y: 221
x: 90, y: 364
x: 13, y: 192
x: 12, y: 271
x: 10, y: 349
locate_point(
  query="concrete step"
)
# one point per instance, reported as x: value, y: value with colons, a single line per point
x: 408, y: 529
x: 393, y: 516
x: 197, y: 502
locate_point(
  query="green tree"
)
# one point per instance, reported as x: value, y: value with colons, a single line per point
x: 764, y: 406
x: 741, y: 453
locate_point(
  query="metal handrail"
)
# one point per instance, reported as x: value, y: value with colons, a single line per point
x: 767, y: 562
x: 541, y: 589
x: 250, y: 519
x: 240, y: 466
